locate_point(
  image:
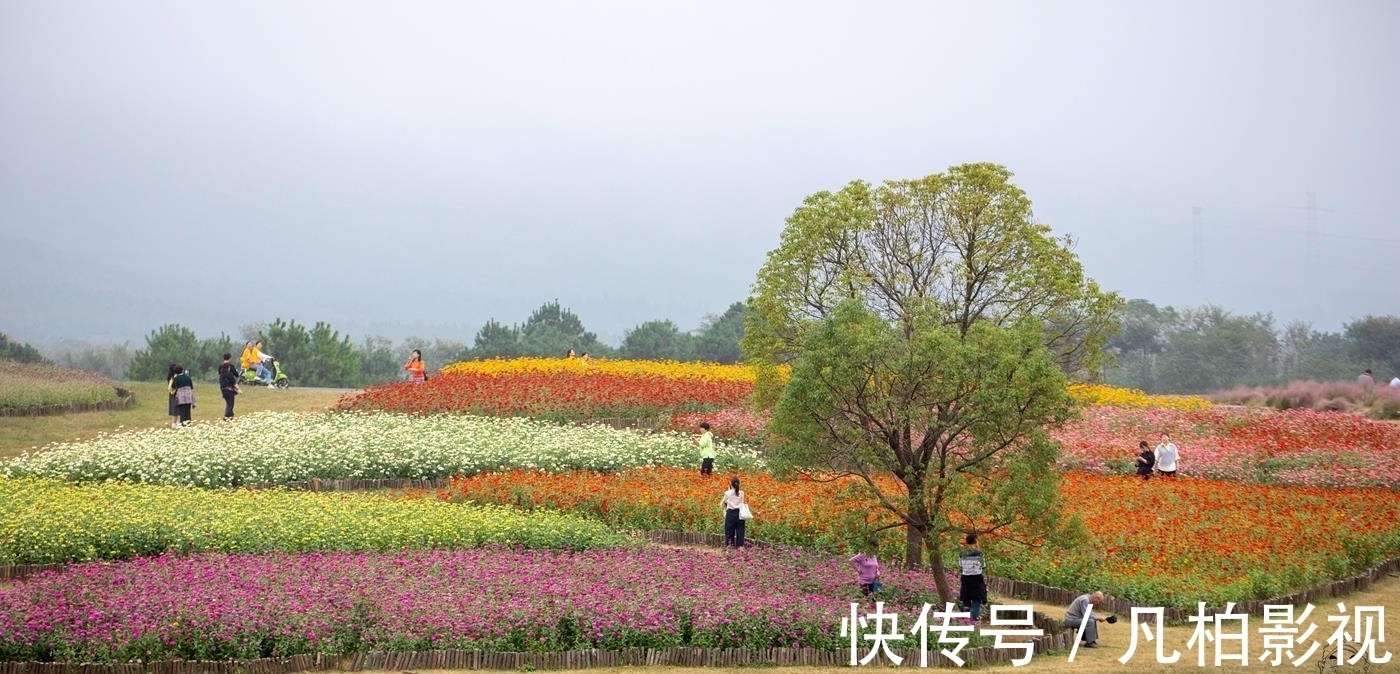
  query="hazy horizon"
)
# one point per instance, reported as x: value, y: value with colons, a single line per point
x: 425, y: 167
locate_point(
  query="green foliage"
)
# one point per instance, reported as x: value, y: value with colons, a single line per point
x: 965, y: 239
x: 168, y: 344
x: 719, y: 336
x: 957, y: 314
x: 1163, y: 350
x: 551, y: 331
x: 1374, y: 343
x: 20, y: 352
x: 378, y: 361
x: 496, y: 340
x: 316, y: 357
x: 959, y: 418
x: 657, y: 340
x: 1211, y: 349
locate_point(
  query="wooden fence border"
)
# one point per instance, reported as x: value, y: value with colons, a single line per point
x: 125, y: 398
x: 679, y: 656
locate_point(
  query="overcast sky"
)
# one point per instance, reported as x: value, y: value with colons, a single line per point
x: 417, y: 168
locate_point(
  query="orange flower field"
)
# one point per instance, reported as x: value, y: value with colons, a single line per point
x: 1168, y: 542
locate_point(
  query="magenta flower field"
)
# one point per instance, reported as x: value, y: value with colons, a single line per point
x: 1263, y: 446
x: 230, y: 606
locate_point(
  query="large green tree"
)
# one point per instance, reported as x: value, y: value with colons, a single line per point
x: 958, y: 252
x: 718, y: 338
x: 20, y: 352
x: 166, y: 345
x: 496, y: 340
x: 1374, y: 343
x: 316, y: 357
x: 958, y: 417
x: 552, y: 330
x: 378, y: 361
x: 1211, y: 349
x: 657, y: 340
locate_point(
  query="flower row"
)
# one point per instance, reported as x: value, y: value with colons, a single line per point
x: 36, y: 384
x: 45, y: 521
x: 666, y: 369
x: 285, y: 447
x: 219, y: 607
x: 1242, y: 445
x: 560, y: 395
x: 1101, y: 394
x: 1156, y: 542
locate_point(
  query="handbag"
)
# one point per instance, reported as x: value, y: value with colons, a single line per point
x: 875, y: 586
x: 744, y: 512
x: 184, y: 396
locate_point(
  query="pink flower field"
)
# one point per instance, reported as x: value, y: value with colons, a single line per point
x: 1303, y: 447
x: 217, y: 607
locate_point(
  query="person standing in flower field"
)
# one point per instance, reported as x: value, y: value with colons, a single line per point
x: 734, y: 525
x: 1365, y: 379
x: 1145, y: 460
x: 867, y: 568
x: 1166, y: 457
x: 417, y: 371
x: 707, y: 449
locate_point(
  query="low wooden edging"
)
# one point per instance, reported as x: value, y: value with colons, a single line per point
x: 124, y: 399
x: 679, y: 656
x: 1312, y: 595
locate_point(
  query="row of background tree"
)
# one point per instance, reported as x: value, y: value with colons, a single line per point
x: 1165, y: 350
x: 1158, y: 349
x: 320, y: 356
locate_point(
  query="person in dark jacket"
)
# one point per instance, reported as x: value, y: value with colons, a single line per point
x: 183, y: 386
x: 1145, y: 460
x: 228, y: 384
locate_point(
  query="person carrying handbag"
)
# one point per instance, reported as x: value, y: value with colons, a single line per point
x: 183, y: 386
x: 732, y: 502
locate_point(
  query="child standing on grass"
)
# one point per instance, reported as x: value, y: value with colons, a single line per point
x: 867, y: 569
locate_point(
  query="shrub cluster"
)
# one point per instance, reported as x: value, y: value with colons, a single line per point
x: 1376, y: 401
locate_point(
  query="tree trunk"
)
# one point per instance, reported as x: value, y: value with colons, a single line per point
x: 940, y: 579
x: 913, y: 545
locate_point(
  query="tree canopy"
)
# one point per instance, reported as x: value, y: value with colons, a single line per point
x: 930, y: 323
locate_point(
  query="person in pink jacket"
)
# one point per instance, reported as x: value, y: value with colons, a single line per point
x: 867, y: 569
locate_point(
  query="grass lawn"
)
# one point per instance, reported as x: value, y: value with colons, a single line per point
x: 18, y: 434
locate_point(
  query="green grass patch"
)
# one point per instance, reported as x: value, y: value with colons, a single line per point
x: 19, y: 434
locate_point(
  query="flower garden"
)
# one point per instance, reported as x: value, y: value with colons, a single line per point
x: 532, y: 543
x: 36, y: 384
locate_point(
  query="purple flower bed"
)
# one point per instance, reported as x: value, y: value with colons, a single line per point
x: 218, y: 607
